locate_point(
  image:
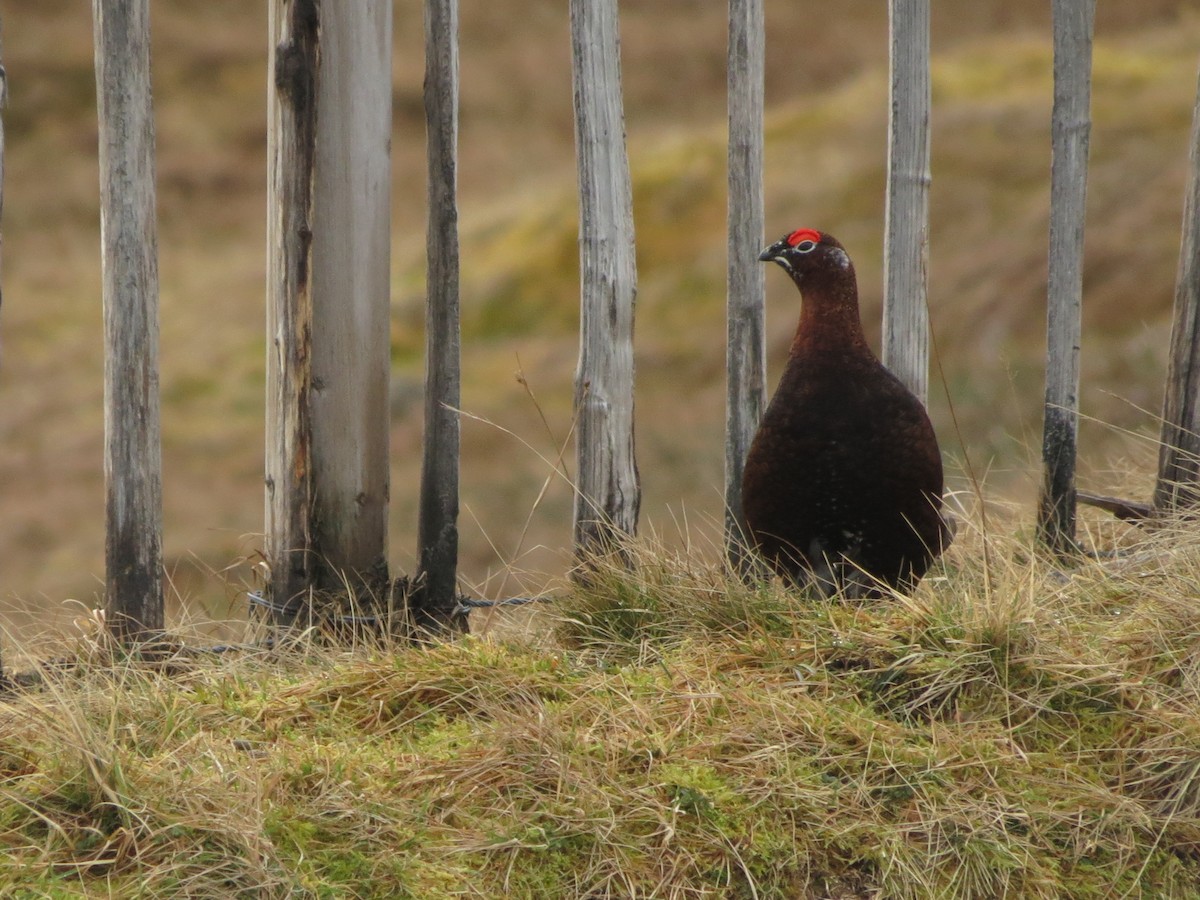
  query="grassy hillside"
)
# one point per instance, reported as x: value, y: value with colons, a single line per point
x: 827, y: 97
x: 1010, y: 730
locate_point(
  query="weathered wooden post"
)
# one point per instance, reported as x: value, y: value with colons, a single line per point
x: 745, y: 346
x: 1178, y: 483
x: 3, y: 102
x: 327, y: 301
x: 608, y: 493
x: 291, y: 152
x: 351, y: 258
x: 132, y: 452
x: 906, y: 236
x: 436, y: 598
x: 1070, y: 131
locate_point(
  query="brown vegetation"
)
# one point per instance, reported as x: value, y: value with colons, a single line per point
x: 1009, y: 730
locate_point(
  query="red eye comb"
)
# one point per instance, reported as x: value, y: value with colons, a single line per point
x: 803, y: 234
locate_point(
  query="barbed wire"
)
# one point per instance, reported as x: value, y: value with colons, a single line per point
x: 463, y: 607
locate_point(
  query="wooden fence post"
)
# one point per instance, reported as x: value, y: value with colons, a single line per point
x: 608, y: 493
x: 328, y: 301
x: 3, y: 102
x: 437, y: 593
x: 132, y: 452
x: 351, y: 259
x: 1178, y: 482
x: 745, y: 346
x: 291, y: 151
x: 906, y: 238
x: 1070, y: 130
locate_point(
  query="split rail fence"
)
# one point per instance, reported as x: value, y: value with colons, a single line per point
x: 327, y: 294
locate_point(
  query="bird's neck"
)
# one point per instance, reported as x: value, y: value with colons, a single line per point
x: 829, y: 319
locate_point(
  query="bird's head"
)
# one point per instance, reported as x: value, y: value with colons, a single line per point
x: 806, y: 251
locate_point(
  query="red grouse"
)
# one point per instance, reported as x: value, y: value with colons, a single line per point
x: 843, y: 481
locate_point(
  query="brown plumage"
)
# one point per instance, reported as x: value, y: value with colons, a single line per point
x: 843, y: 481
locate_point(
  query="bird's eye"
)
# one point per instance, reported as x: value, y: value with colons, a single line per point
x: 805, y: 246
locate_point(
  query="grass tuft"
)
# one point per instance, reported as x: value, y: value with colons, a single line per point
x: 1028, y: 730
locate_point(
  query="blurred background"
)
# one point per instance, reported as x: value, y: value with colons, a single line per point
x: 825, y: 168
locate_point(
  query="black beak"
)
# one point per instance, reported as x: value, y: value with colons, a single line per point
x: 775, y: 253
x: 772, y: 253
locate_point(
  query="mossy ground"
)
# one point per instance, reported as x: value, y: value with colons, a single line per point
x: 666, y: 731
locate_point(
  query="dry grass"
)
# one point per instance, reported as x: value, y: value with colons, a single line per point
x: 1021, y: 731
